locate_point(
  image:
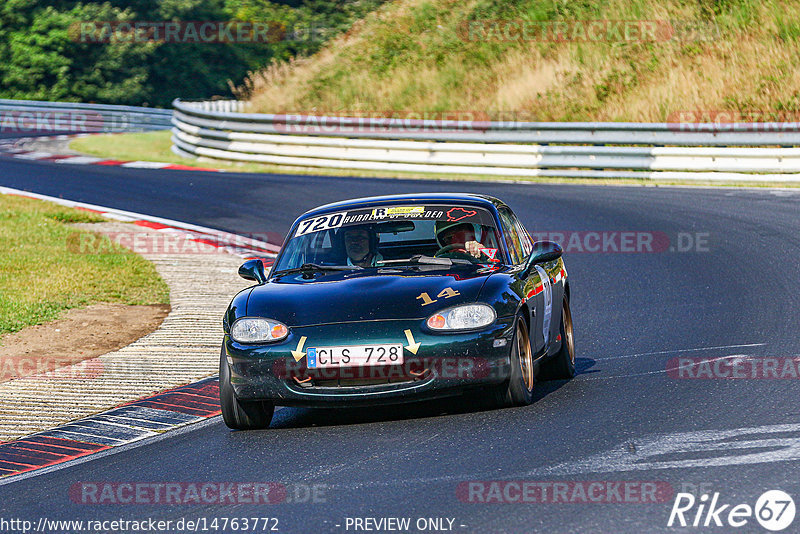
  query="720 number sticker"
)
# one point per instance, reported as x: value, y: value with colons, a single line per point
x: 323, y: 222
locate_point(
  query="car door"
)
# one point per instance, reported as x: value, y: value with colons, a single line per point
x: 535, y: 289
x: 546, y: 284
x: 552, y: 288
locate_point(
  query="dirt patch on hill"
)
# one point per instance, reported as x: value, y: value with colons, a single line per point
x: 81, y: 334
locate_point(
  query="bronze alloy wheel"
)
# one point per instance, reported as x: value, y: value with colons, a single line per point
x: 561, y: 365
x: 525, y: 355
x: 566, y: 317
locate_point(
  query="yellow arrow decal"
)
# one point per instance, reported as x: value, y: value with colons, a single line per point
x: 412, y: 347
x: 299, y: 353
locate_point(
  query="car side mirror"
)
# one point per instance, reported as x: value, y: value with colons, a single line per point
x: 544, y: 251
x: 253, y: 270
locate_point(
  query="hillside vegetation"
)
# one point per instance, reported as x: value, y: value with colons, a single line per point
x: 741, y: 55
x: 46, y: 54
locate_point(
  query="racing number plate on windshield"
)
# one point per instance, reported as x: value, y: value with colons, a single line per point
x: 354, y: 356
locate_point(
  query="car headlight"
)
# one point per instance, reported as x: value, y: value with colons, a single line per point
x: 258, y: 330
x: 465, y: 317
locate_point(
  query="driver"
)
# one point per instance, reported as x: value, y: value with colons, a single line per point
x: 361, y: 243
x: 460, y: 235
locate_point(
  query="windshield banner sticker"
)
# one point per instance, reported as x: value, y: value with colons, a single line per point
x: 382, y: 213
x: 404, y: 212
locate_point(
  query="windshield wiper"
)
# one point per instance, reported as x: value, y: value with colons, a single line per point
x: 428, y: 260
x: 311, y: 267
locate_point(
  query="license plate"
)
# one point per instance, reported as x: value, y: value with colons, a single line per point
x: 354, y: 356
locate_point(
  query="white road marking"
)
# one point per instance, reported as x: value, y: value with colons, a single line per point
x: 145, y: 165
x: 79, y: 160
x: 665, y: 370
x: 34, y: 155
x: 116, y: 217
x: 647, y: 451
x: 680, y: 350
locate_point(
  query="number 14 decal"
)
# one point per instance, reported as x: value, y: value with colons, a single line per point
x: 447, y: 293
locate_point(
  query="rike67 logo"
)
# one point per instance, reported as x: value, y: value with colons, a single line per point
x: 774, y: 510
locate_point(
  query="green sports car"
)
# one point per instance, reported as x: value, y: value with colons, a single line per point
x: 397, y: 299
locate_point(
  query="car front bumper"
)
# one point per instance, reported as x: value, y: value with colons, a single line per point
x: 445, y: 364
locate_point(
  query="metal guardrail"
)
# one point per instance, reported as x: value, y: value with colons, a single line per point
x: 32, y: 117
x: 221, y: 130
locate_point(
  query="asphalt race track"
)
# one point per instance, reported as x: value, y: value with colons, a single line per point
x: 623, y: 418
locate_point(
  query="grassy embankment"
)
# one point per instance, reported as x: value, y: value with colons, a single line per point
x: 41, y: 275
x: 420, y: 56
x: 737, y: 55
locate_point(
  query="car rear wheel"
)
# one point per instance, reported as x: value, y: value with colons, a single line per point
x: 240, y: 415
x: 562, y: 365
x: 518, y: 391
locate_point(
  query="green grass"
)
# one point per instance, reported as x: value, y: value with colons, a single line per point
x: 41, y: 275
x: 132, y: 147
x: 154, y: 146
x: 149, y: 146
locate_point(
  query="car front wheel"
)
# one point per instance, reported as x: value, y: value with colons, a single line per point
x: 237, y: 414
x: 518, y: 390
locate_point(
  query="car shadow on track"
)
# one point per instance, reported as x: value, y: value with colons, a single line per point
x: 472, y: 402
x: 584, y: 366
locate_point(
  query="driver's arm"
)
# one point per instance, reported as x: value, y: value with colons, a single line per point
x: 474, y: 248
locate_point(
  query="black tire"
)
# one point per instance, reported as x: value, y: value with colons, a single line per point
x: 240, y: 415
x: 518, y: 390
x: 562, y: 365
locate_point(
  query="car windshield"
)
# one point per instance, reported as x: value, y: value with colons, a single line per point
x: 393, y: 236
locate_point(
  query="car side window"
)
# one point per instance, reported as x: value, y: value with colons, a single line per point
x: 525, y: 239
x: 511, y: 232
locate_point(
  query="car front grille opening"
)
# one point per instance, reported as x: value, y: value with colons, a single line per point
x: 356, y: 377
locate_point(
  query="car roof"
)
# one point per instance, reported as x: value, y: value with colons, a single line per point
x: 437, y: 198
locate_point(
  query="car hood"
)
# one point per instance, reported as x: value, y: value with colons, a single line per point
x: 361, y: 296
